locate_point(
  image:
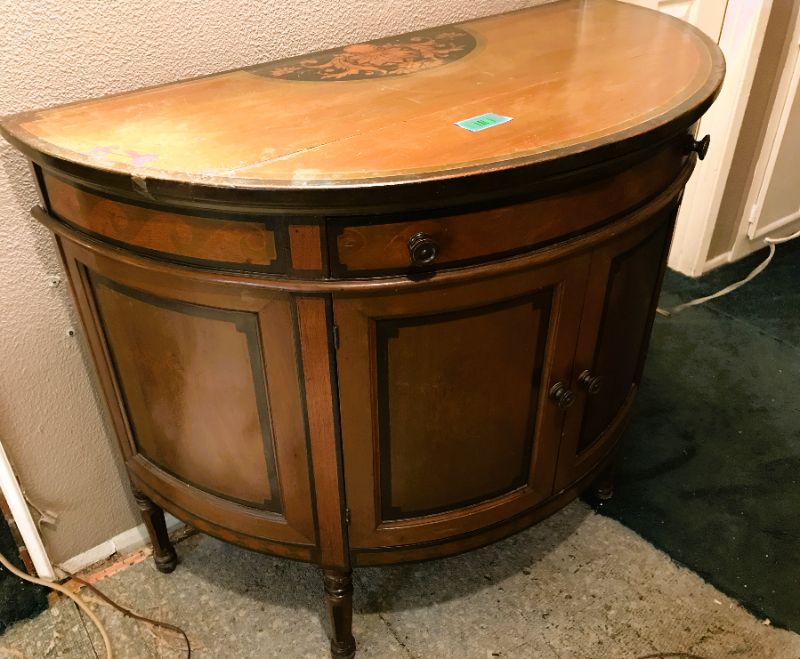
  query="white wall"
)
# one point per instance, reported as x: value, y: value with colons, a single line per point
x: 53, y: 52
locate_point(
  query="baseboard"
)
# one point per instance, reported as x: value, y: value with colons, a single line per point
x: 717, y: 261
x: 122, y: 543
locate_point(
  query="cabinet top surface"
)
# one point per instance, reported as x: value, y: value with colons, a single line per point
x: 573, y: 77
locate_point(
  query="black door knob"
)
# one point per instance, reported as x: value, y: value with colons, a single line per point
x: 422, y: 248
x: 562, y: 396
x: 700, y: 146
x: 591, y: 383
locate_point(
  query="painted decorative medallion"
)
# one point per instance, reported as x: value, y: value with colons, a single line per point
x: 390, y: 56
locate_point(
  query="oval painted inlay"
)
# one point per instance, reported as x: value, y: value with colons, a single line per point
x: 390, y: 56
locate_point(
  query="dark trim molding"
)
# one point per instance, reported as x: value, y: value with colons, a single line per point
x: 387, y: 329
x: 246, y: 323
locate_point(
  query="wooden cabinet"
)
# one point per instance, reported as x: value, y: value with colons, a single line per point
x: 324, y: 337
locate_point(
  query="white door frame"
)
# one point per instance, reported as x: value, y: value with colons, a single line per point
x: 741, y: 39
x: 751, y: 232
x: 24, y: 520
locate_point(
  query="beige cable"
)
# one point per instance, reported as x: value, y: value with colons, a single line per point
x: 770, y: 242
x: 133, y: 614
x: 64, y: 591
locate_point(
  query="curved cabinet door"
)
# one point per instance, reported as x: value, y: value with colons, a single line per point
x: 204, y: 393
x: 621, y: 300
x: 446, y: 422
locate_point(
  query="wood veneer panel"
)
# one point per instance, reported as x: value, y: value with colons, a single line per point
x: 594, y: 73
x: 270, y: 353
x: 194, y: 390
x: 305, y: 243
x: 372, y: 246
x: 627, y: 316
x: 196, y: 239
x: 620, y: 305
x: 556, y: 292
x: 458, y: 394
x: 321, y: 406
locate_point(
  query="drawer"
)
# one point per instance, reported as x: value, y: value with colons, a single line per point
x: 240, y: 244
x: 369, y: 246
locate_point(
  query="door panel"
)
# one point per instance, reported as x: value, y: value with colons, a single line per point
x: 621, y: 299
x: 632, y: 278
x: 446, y: 421
x: 197, y: 406
x: 447, y: 390
x: 204, y: 394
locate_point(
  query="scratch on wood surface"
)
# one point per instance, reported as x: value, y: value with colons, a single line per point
x: 140, y: 183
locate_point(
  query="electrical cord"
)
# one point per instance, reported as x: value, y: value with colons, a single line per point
x: 83, y: 606
x: 64, y: 591
x: 771, y: 242
x: 131, y: 614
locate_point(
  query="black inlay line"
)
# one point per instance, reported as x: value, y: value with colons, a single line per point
x: 211, y: 522
x: 541, y: 302
x: 246, y: 323
x: 198, y: 211
x: 38, y: 175
x: 333, y: 370
x: 277, y: 267
x: 507, y: 522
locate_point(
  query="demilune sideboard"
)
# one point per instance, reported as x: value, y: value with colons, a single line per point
x: 385, y: 302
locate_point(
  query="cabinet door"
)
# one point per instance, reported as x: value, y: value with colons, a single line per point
x: 203, y: 388
x: 621, y: 299
x: 446, y: 422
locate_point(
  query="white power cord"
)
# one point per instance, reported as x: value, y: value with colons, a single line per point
x: 771, y: 242
x: 64, y: 591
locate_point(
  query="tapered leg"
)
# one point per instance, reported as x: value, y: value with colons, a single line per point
x: 163, y: 552
x: 603, y: 486
x: 339, y: 598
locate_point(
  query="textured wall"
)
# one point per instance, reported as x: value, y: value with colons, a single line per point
x: 54, y: 52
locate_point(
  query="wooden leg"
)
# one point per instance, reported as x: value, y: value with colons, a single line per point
x: 339, y: 598
x: 604, y: 484
x: 163, y: 552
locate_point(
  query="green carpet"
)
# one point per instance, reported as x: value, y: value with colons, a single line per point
x: 18, y: 599
x: 710, y: 465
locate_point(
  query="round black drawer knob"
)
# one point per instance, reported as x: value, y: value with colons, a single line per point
x: 700, y: 146
x: 561, y: 396
x: 591, y: 383
x: 422, y: 248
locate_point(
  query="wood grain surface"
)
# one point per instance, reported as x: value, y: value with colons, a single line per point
x: 346, y: 398
x: 571, y: 74
x: 249, y: 244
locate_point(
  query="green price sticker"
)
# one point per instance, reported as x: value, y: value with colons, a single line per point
x: 482, y: 122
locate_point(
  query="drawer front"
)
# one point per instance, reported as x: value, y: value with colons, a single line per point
x: 237, y: 244
x: 369, y: 246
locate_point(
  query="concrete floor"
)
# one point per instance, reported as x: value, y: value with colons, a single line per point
x: 578, y: 585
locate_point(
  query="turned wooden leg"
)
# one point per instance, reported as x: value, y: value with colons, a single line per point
x: 339, y: 598
x: 163, y: 552
x: 603, y: 487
